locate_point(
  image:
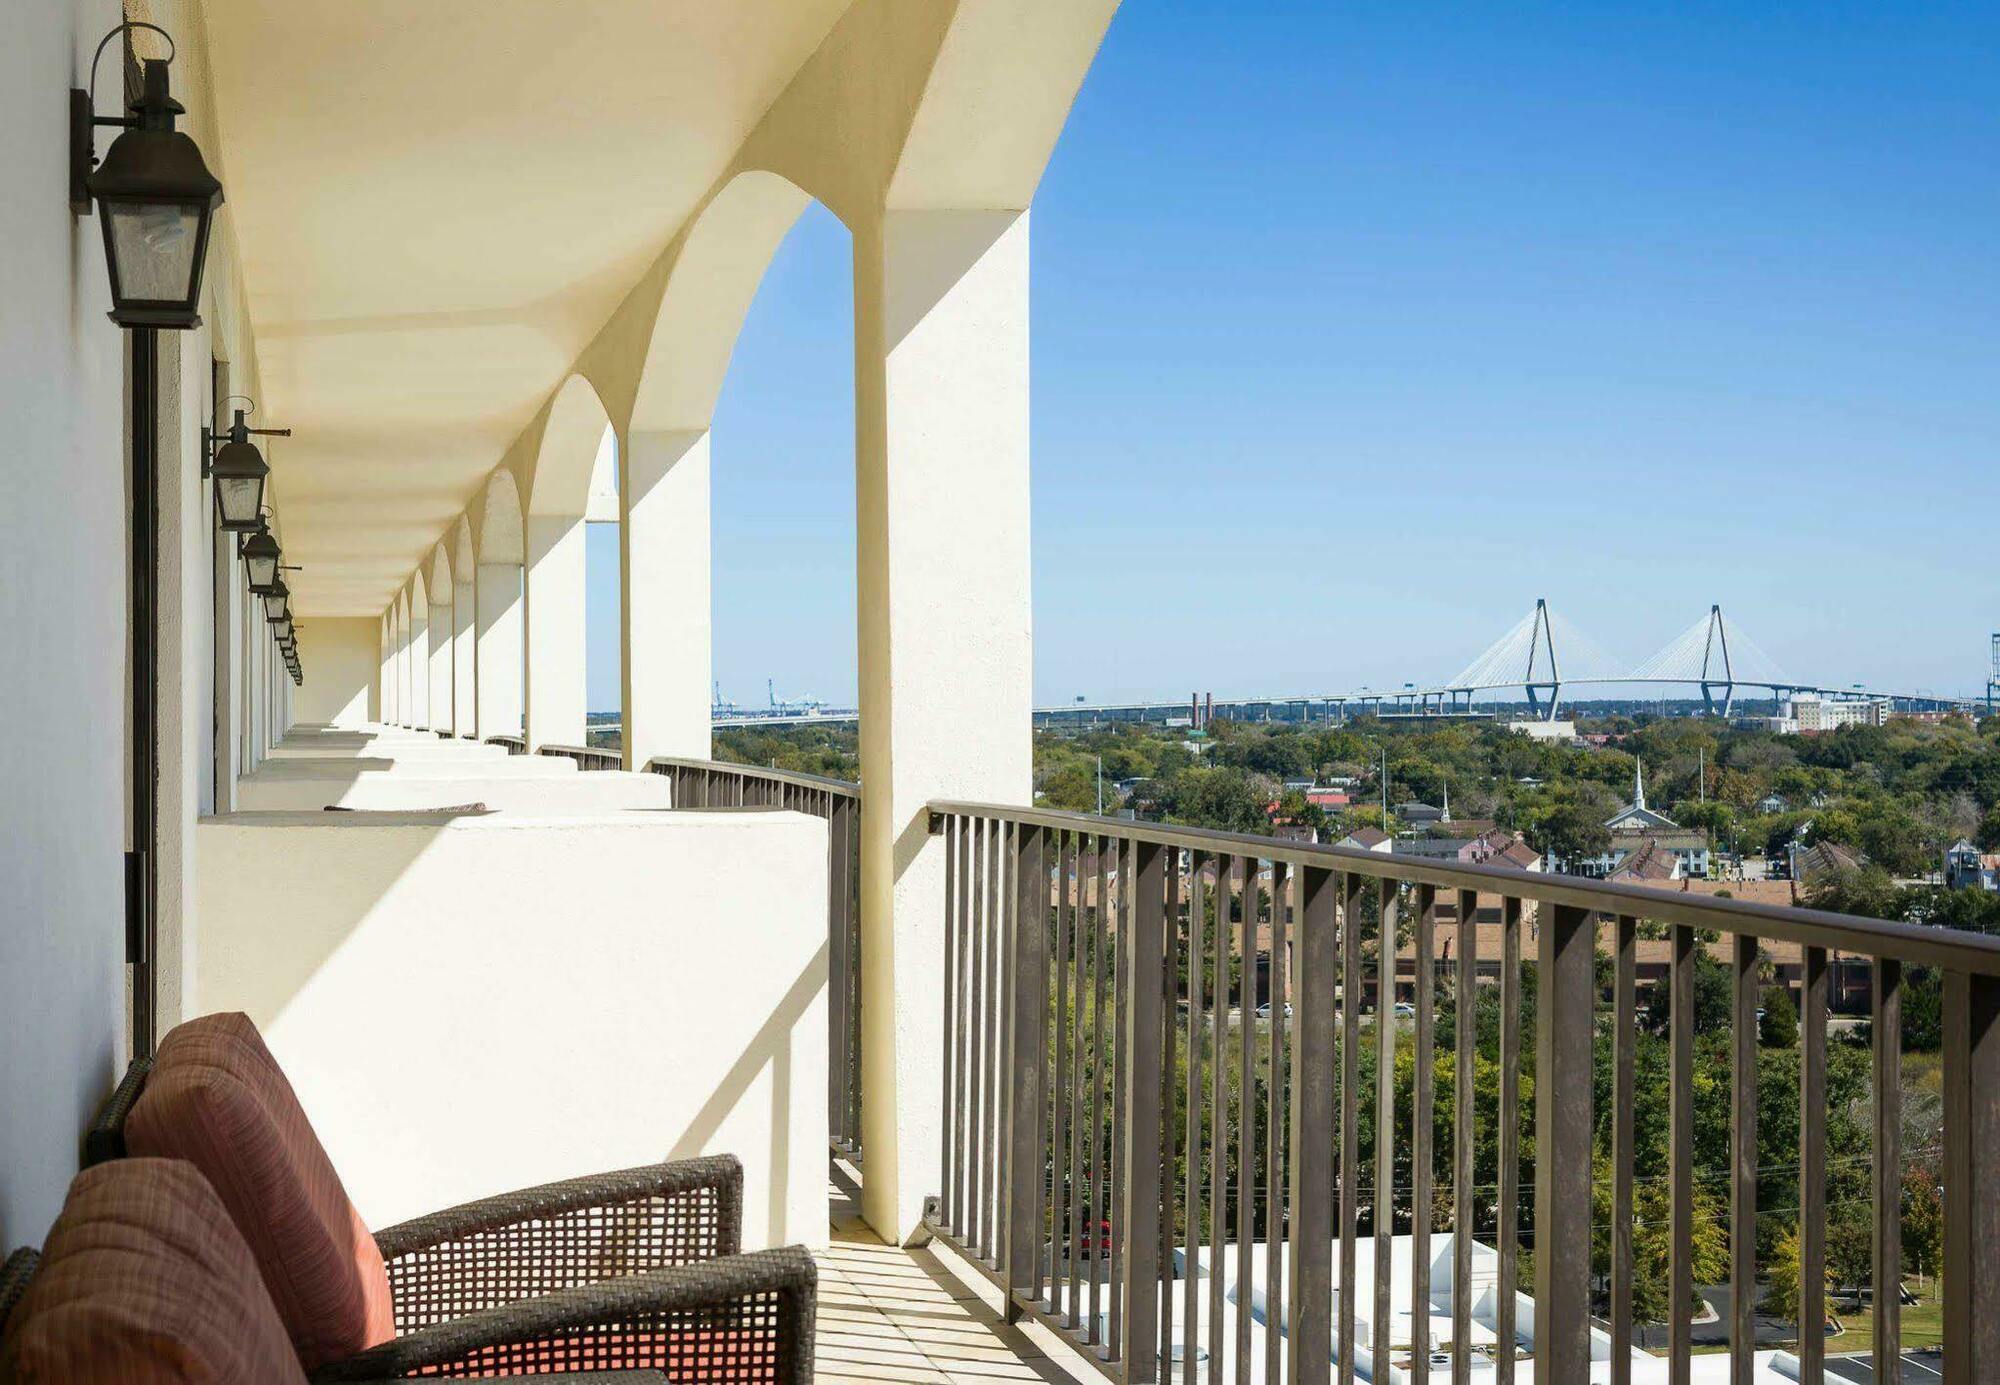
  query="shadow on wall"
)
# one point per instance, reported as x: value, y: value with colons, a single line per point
x: 770, y: 1047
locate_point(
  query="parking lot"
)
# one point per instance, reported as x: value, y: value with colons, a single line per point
x: 1919, y: 1368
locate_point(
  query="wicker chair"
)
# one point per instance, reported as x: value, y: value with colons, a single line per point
x: 14, y: 1277
x: 635, y: 1276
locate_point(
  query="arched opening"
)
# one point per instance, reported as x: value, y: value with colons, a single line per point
x: 442, y: 625
x: 783, y: 495
x: 403, y: 704
x: 420, y: 652
x: 464, y: 632
x: 603, y: 646
x: 499, y: 643
x: 557, y: 564
x: 667, y: 574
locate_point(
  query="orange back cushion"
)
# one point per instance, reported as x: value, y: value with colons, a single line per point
x: 146, y: 1281
x: 217, y: 1098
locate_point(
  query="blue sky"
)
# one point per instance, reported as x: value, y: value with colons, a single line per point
x: 1359, y: 327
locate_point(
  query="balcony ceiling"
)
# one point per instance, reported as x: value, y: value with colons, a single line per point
x: 438, y: 205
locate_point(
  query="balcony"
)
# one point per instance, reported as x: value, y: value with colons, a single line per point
x: 1079, y: 1174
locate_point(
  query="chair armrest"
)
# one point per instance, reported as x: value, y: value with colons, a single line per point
x: 562, y: 1235
x: 19, y: 1268
x: 740, y: 1317
x: 638, y: 1377
x: 104, y: 1139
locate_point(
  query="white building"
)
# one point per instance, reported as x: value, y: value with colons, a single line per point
x: 1814, y: 713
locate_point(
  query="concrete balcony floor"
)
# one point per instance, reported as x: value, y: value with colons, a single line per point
x: 893, y: 1314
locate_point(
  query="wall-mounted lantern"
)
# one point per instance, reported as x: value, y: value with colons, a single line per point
x: 156, y: 197
x: 260, y: 556
x: 239, y: 470
x: 277, y: 601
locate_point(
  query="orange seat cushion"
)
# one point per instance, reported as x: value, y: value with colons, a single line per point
x: 144, y: 1281
x: 217, y: 1098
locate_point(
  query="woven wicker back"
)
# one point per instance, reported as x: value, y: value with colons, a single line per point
x: 14, y: 1277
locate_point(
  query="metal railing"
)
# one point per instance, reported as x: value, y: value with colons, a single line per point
x: 587, y: 757
x: 1172, y: 1176
x: 516, y: 745
x: 711, y: 784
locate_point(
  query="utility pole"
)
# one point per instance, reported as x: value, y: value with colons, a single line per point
x: 1385, y: 789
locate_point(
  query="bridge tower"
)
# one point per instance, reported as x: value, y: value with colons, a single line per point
x: 1716, y: 654
x: 1993, y: 676
x: 1542, y: 648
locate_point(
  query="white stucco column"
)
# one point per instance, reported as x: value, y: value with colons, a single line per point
x: 555, y: 624
x: 253, y: 685
x: 228, y: 594
x: 246, y: 707
x: 941, y: 494
x: 441, y: 629
x: 464, y: 658
x: 274, y: 696
x: 183, y: 714
x: 665, y: 616
x: 497, y: 649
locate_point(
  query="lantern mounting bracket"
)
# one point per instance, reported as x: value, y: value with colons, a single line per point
x: 83, y: 118
x: 238, y: 432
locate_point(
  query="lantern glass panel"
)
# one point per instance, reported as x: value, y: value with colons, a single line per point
x: 153, y: 245
x: 239, y: 498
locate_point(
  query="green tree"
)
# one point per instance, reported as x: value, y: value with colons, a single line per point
x: 1923, y: 1221
x: 1787, y: 1278
x: 1564, y: 825
x: 1074, y: 788
x: 1868, y: 891
x: 1779, y: 1028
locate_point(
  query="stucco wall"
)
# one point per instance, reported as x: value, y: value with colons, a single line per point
x: 62, y: 630
x: 342, y: 659
x: 475, y: 1004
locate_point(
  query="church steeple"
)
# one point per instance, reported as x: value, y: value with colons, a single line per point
x: 1639, y: 784
x: 1446, y: 815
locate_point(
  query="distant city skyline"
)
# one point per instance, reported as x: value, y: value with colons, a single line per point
x: 1357, y: 331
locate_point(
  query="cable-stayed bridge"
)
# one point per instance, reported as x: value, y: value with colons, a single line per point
x: 1539, y: 660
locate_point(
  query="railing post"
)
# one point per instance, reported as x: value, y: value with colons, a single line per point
x: 840, y: 969
x: 1971, y: 1178
x: 1317, y: 948
x: 1027, y: 1021
x: 1142, y: 953
x: 1563, y: 1131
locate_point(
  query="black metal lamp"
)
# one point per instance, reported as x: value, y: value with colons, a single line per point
x: 277, y: 600
x: 281, y: 626
x: 260, y: 555
x: 157, y: 198
x: 240, y: 471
